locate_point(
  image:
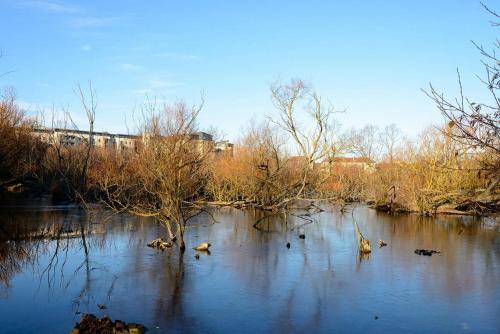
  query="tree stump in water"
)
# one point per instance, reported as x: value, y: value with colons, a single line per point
x: 363, y: 244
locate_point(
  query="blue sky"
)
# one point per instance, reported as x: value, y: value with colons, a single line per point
x: 370, y: 57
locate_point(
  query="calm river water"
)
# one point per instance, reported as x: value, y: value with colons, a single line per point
x: 250, y: 282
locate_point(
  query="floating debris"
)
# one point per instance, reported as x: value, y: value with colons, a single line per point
x: 382, y: 243
x: 425, y: 252
x: 202, y: 247
x: 101, y: 306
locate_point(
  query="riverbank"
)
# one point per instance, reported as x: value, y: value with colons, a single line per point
x: 451, y: 204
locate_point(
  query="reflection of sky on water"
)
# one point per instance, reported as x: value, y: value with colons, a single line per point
x: 251, y: 282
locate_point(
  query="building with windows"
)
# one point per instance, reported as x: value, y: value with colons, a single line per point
x: 121, y: 142
x: 224, y: 147
x: 70, y: 137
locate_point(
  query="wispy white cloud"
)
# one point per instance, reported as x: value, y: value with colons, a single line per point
x: 86, y: 47
x: 177, y: 56
x: 73, y: 16
x: 52, y: 6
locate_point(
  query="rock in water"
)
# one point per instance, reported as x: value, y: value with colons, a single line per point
x: 120, y: 325
x: 202, y: 247
x: 287, y: 245
x: 89, y: 323
x: 364, y: 246
x: 382, y: 243
x: 135, y: 328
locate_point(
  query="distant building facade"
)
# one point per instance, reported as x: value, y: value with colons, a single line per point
x: 68, y: 137
x: 224, y: 147
x: 120, y: 142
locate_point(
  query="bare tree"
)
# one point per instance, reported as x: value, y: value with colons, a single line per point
x: 89, y: 103
x: 364, y: 142
x: 71, y: 159
x: 477, y: 124
x: 390, y: 138
x: 166, y: 178
x: 295, y: 101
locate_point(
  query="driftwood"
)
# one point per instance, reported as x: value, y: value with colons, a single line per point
x: 382, y: 243
x: 160, y: 244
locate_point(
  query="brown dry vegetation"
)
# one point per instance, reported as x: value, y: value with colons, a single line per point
x: 430, y: 173
x: 19, y: 153
x: 259, y: 173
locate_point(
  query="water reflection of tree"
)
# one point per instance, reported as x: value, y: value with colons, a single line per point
x: 264, y: 259
x: 168, y: 305
x: 16, y: 251
x: 12, y: 257
x: 27, y: 238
